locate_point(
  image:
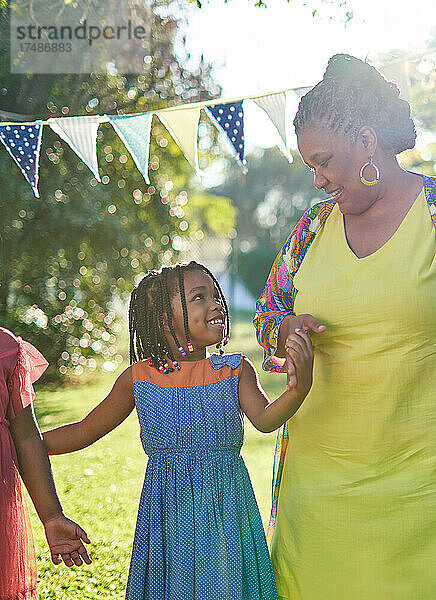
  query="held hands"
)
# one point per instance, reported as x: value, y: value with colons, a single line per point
x: 299, y: 363
x: 65, y: 539
x: 303, y: 322
x: 296, y: 345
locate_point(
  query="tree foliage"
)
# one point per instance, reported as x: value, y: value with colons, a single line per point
x: 68, y: 257
x: 341, y: 4
x: 216, y: 214
x: 269, y: 199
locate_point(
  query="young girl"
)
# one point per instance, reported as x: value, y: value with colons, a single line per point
x: 22, y: 451
x: 199, y: 535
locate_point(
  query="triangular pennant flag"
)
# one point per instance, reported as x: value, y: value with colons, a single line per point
x: 183, y: 126
x: 301, y: 91
x: 229, y: 118
x: 275, y: 107
x: 81, y: 134
x: 23, y: 143
x: 134, y: 131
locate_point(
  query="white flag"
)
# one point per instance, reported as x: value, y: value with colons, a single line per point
x: 183, y: 126
x: 275, y: 107
x: 80, y: 133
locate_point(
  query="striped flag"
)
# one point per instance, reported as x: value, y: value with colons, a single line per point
x: 80, y: 133
x: 275, y: 107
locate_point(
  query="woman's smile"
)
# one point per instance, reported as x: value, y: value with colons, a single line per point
x: 336, y: 194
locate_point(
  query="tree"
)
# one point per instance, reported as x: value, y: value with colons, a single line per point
x: 68, y: 257
x: 422, y: 86
x: 270, y: 199
x: 341, y: 4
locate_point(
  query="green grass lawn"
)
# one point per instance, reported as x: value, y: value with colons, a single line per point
x: 99, y: 487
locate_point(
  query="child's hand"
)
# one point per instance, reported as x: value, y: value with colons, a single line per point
x: 65, y: 539
x: 299, y: 362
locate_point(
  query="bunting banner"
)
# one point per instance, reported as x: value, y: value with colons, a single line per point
x: 23, y: 139
x: 183, y: 127
x: 275, y: 107
x: 80, y: 133
x: 229, y: 118
x: 134, y: 132
x: 23, y: 143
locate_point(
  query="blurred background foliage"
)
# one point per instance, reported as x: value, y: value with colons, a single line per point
x: 69, y: 258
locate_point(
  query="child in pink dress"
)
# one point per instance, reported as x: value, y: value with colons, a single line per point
x: 22, y: 451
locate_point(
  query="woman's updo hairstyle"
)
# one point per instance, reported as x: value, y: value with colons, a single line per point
x: 352, y: 94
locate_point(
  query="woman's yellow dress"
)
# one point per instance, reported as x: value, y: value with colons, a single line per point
x: 356, y: 511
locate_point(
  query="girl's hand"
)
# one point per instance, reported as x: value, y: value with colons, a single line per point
x: 299, y: 362
x: 65, y: 539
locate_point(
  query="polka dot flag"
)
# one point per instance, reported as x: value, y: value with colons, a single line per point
x: 229, y: 118
x: 23, y: 143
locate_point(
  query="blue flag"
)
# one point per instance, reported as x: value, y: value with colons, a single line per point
x: 23, y: 143
x: 229, y: 118
x: 134, y: 131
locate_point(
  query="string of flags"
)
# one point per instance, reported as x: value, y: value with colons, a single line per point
x: 23, y: 140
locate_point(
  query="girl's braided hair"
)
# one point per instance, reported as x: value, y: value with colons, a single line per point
x: 352, y: 94
x: 150, y: 301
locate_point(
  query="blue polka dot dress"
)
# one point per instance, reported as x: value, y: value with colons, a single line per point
x: 199, y: 534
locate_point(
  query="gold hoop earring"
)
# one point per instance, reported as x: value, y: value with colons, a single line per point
x: 377, y: 173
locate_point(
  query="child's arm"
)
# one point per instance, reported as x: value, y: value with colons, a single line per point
x: 265, y: 415
x: 107, y: 415
x: 64, y: 536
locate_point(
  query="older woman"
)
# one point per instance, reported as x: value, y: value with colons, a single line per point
x: 354, y: 481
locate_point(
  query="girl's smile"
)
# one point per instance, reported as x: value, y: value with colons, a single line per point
x: 206, y: 316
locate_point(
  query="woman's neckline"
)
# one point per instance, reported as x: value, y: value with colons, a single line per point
x: 391, y: 239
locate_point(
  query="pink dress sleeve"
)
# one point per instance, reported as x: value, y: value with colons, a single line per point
x: 30, y: 366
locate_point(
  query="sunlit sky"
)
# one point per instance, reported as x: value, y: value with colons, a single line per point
x: 255, y: 50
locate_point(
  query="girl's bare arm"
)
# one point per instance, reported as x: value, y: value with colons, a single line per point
x: 64, y: 536
x: 107, y: 415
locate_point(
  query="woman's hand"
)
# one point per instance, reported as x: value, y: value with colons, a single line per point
x: 65, y: 539
x: 288, y: 326
x: 299, y: 351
